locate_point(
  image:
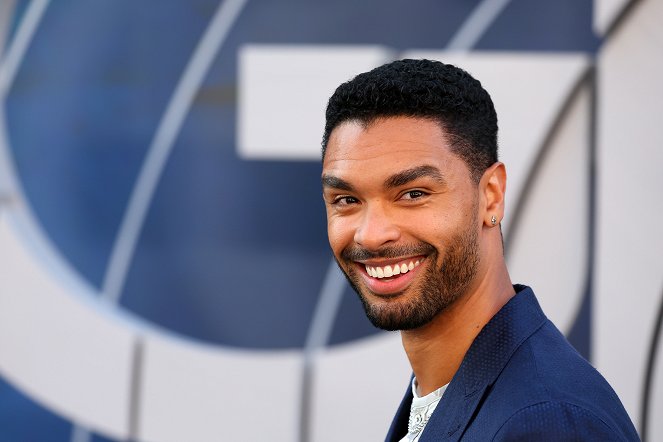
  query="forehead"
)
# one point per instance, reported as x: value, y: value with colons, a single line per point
x: 387, y: 146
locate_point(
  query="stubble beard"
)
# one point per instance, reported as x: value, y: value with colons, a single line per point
x: 437, y: 289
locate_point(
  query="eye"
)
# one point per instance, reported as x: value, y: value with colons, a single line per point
x: 344, y: 201
x: 413, y: 195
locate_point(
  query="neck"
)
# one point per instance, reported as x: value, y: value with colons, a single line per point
x: 436, y: 350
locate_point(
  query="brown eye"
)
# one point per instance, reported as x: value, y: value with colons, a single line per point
x: 346, y: 200
x: 413, y: 194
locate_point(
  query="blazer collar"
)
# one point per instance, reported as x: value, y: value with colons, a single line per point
x: 484, y: 361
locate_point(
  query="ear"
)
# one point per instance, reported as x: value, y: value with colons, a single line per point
x: 491, y: 190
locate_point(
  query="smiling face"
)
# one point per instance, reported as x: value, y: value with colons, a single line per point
x: 402, y: 218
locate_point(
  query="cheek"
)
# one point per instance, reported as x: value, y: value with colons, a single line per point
x: 436, y: 227
x: 431, y: 225
x: 340, y: 233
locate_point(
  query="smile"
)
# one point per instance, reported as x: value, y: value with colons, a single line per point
x: 388, y: 271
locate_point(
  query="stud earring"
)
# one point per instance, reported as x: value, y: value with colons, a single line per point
x: 493, y: 220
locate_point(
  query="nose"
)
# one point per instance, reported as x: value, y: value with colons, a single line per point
x: 376, y: 228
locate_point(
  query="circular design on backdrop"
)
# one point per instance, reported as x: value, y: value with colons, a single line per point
x: 230, y: 248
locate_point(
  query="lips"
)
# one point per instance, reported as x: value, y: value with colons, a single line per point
x: 393, y: 277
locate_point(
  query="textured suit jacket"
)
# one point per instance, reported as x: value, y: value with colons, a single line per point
x: 522, y: 381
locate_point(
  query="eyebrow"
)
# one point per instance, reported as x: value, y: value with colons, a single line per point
x: 396, y: 180
x: 336, y: 183
x: 408, y: 175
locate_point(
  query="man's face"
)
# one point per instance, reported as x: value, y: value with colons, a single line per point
x: 401, y: 217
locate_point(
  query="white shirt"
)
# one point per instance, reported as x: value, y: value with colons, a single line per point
x: 421, y: 410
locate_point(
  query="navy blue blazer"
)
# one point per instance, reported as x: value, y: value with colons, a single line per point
x: 522, y: 381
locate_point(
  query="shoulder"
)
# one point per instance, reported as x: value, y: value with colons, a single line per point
x: 558, y: 395
x: 564, y: 374
x: 554, y: 420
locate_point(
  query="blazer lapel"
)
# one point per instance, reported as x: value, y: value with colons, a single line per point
x: 398, y: 427
x: 481, y: 366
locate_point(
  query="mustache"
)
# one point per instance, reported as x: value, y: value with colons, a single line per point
x: 356, y: 253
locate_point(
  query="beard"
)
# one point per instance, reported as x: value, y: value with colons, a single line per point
x: 438, y: 288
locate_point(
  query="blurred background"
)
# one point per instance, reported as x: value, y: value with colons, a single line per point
x: 164, y: 267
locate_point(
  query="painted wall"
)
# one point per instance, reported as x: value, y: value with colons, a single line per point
x: 164, y: 271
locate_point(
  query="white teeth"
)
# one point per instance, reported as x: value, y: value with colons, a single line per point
x: 389, y: 271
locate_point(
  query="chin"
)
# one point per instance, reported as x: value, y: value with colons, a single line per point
x: 396, y: 313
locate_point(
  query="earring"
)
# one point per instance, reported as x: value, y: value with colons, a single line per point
x: 493, y: 220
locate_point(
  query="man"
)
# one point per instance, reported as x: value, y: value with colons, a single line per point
x: 414, y: 195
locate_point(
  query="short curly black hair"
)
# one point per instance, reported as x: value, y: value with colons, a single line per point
x: 424, y: 89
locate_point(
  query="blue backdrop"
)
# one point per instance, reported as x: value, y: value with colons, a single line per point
x: 233, y: 252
